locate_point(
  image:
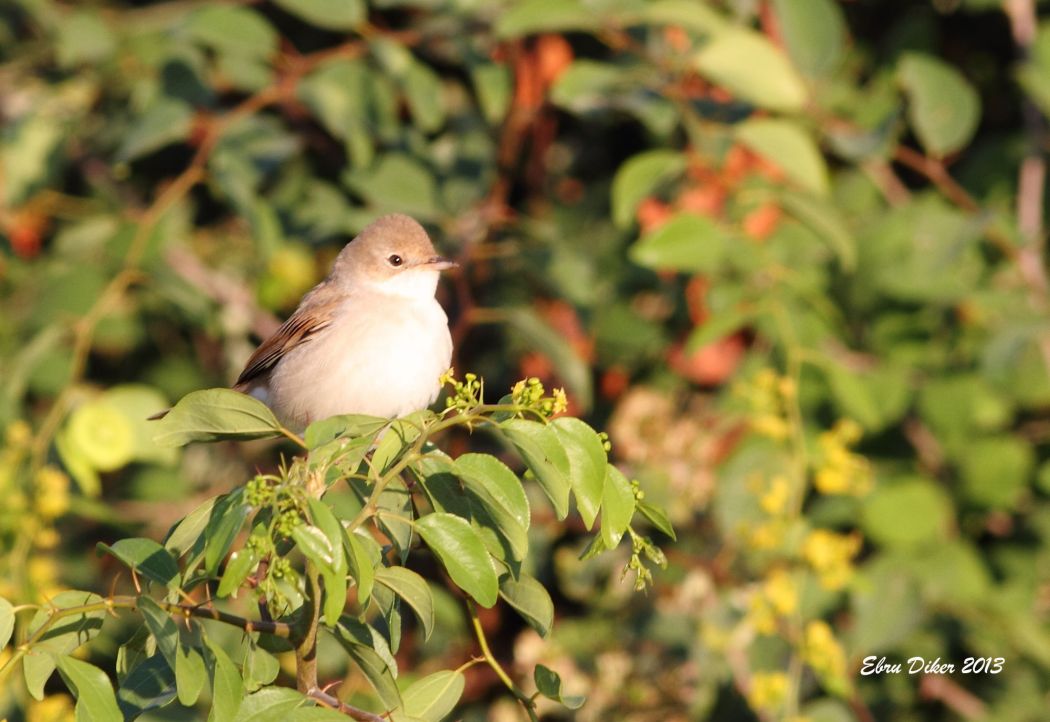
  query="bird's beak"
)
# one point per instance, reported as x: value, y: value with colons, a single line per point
x: 440, y: 263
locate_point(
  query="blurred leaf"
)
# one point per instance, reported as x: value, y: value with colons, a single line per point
x: 165, y: 122
x: 536, y: 16
x: 462, y: 553
x: 548, y: 682
x: 95, y: 698
x: 617, y: 506
x: 398, y: 183
x: 492, y: 83
x: 84, y: 37
x: 826, y: 221
x: 137, y: 402
x: 213, y: 415
x: 544, y: 456
x: 749, y: 66
x: 500, y: 492
x: 888, y: 607
x: 687, y: 243
x: 369, y: 651
x: 7, y: 622
x: 570, y: 367
x: 587, y: 463
x: 790, y: 147
x: 944, y: 109
x: 433, y: 697
x: 232, y: 29
x: 62, y: 637
x: 422, y: 87
x: 146, y: 557
x: 413, y: 589
x: 638, y: 178
x: 102, y: 434
x: 690, y: 14
x: 29, y: 156
x: 814, y: 32
x: 874, y: 397
x: 150, y: 685
x: 907, y: 513
x: 224, y: 523
x: 996, y: 470
x: 329, y: 14
x: 530, y: 599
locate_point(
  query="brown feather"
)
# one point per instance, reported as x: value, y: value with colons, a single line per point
x: 307, y: 320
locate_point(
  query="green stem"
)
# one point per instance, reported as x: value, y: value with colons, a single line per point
x: 486, y: 653
x: 306, y: 634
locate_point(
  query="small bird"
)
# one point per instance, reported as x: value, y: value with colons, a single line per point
x: 370, y: 338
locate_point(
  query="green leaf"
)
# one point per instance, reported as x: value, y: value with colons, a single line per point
x: 530, y: 599
x: 541, y: 450
x: 162, y: 627
x: 213, y: 415
x: 259, y: 668
x: 640, y: 177
x: 240, y: 564
x: 875, y: 397
x: 147, y: 558
x: 150, y: 685
x: 227, y: 687
x: 586, y: 456
x: 83, y: 37
x: 944, y: 109
x: 63, y: 636
x: 826, y: 221
x: 328, y: 14
x: 225, y: 522
x: 687, y: 14
x: 95, y: 699
x: 369, y: 651
x: 186, y: 533
x: 753, y: 69
x: 190, y: 674
x: 687, y: 242
x: 814, y: 32
x: 7, y: 622
x: 500, y: 492
x: 548, y: 682
x: 907, y: 513
x: 462, y: 553
x: 617, y: 506
x: 571, y: 368
x: 432, y: 698
x: 325, y: 520
x: 397, y: 440
x: 413, y: 589
x: 537, y: 16
x: 790, y: 147
x: 658, y: 518
x: 362, y: 566
x: 234, y: 30
x: 347, y: 425
x: 315, y: 546
x: 272, y: 704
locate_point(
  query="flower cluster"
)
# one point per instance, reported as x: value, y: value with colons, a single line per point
x: 831, y: 554
x: 642, y: 549
x: 530, y: 394
x: 767, y: 397
x: 466, y: 394
x: 825, y: 656
x: 839, y: 470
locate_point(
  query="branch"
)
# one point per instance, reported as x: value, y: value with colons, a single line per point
x: 349, y: 710
x: 492, y: 662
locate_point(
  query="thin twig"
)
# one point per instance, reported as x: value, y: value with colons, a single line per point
x: 486, y: 652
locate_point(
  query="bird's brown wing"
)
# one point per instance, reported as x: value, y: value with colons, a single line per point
x: 307, y: 320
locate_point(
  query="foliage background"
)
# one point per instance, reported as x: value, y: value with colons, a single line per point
x: 790, y: 254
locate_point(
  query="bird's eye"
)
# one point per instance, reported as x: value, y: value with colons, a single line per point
x: 395, y: 260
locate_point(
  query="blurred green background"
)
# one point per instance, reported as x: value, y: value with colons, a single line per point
x: 790, y: 254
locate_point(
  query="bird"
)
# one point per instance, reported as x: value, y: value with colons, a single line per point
x: 371, y: 338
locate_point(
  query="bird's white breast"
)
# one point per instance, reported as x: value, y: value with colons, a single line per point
x: 382, y: 355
